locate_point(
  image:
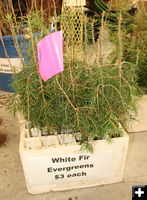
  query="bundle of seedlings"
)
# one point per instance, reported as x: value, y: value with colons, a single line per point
x: 92, y: 96
x: 134, y: 25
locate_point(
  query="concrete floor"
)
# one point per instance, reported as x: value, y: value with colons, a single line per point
x: 12, y: 183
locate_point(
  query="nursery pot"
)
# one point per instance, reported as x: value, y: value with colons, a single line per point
x: 56, y: 163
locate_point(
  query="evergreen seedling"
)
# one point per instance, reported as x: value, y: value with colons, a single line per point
x: 95, y: 93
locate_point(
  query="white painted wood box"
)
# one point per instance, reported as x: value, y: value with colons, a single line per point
x: 55, y: 167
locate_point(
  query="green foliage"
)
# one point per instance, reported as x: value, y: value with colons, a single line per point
x: 136, y: 47
x: 88, y: 97
x: 134, y: 38
x: 100, y: 6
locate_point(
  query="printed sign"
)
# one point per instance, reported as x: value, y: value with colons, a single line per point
x: 15, y: 65
x: 63, y: 169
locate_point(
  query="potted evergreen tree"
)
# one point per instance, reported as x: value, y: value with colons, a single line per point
x: 72, y: 135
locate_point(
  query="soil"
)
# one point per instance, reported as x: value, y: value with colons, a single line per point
x: 3, y: 139
x: 4, y: 100
x: 1, y: 121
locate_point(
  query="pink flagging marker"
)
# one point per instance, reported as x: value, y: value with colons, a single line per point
x: 50, y: 55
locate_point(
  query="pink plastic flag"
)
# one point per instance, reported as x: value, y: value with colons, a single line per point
x: 50, y: 55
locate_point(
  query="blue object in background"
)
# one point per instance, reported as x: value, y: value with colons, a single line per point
x: 10, y: 47
x: 6, y: 79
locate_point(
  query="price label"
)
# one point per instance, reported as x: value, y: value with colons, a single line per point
x: 46, y: 170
